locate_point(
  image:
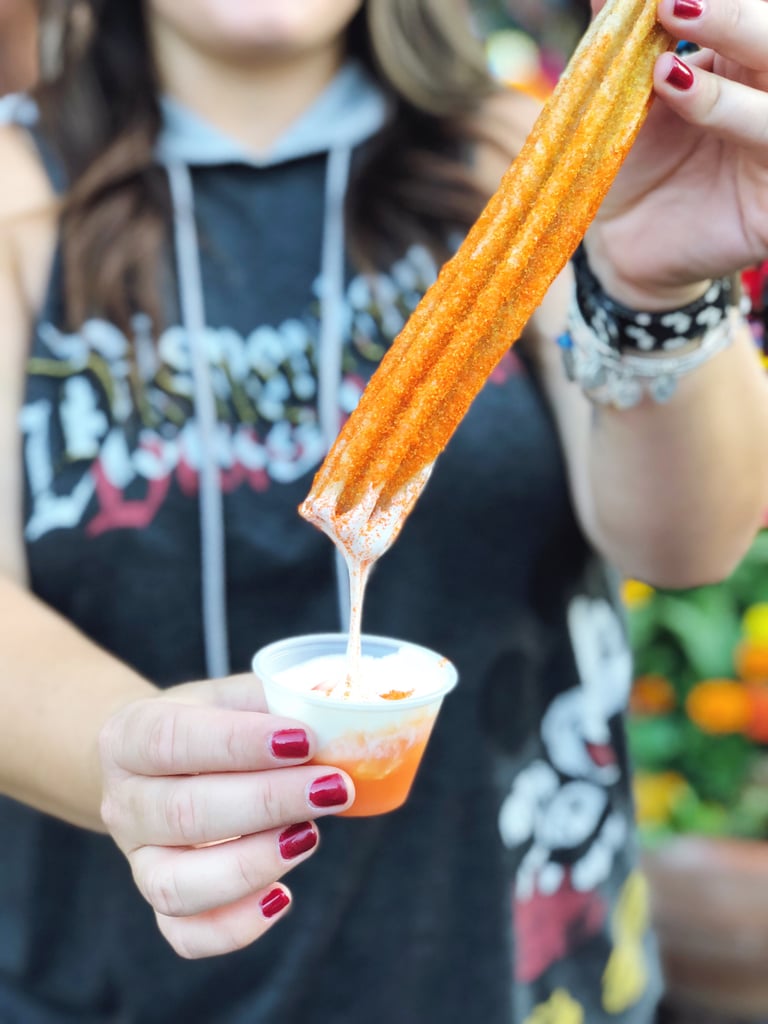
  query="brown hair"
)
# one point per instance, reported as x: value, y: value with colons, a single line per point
x: 99, y: 111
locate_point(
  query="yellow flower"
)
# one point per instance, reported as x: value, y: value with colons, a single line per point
x: 755, y: 623
x: 634, y: 593
x: 656, y: 793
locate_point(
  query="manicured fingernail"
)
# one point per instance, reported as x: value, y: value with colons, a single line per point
x: 328, y: 791
x: 289, y: 743
x: 297, y: 840
x: 688, y: 9
x: 680, y: 75
x: 275, y: 901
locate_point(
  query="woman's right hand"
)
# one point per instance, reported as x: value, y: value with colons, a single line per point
x: 212, y: 801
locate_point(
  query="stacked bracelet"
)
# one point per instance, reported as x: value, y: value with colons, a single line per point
x: 618, y: 355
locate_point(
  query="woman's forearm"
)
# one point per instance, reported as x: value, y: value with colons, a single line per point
x: 57, y: 688
x: 672, y: 493
x: 679, y: 490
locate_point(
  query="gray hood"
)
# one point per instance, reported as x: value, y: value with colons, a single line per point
x: 350, y: 110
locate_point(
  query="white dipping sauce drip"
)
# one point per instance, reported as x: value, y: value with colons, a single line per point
x: 362, y: 534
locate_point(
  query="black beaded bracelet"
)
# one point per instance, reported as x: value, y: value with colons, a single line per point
x: 627, y: 330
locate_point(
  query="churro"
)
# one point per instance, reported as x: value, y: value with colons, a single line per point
x: 486, y: 293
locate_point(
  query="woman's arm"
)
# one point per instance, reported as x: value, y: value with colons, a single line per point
x: 56, y: 687
x: 672, y: 494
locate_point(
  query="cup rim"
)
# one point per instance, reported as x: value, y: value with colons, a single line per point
x: 419, y: 700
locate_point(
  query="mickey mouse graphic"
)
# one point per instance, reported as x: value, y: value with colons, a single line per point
x: 558, y: 812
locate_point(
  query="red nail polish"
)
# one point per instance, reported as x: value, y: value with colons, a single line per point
x: 297, y: 840
x: 680, y: 75
x: 328, y: 791
x: 275, y: 901
x: 688, y: 9
x: 289, y: 743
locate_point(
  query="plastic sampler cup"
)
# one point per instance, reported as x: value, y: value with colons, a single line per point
x: 379, y: 744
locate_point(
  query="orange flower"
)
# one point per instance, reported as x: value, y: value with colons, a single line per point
x: 757, y: 726
x: 719, y: 706
x: 652, y: 694
x: 751, y: 660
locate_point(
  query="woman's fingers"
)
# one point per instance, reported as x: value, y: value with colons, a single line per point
x: 722, y: 87
x: 227, y: 928
x: 188, y: 882
x: 736, y: 29
x: 164, y: 737
x: 734, y: 111
x: 190, y: 810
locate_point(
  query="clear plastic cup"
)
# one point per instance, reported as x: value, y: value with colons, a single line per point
x: 379, y: 745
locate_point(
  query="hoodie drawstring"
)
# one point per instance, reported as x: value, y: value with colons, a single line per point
x: 332, y: 328
x: 192, y: 309
x: 329, y: 358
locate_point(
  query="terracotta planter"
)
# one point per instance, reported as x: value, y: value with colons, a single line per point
x: 710, y: 906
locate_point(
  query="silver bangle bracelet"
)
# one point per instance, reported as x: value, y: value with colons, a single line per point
x: 609, y: 376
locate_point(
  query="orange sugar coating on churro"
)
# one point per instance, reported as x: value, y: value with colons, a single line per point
x: 484, y: 296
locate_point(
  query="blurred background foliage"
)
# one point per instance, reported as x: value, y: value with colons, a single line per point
x: 698, y: 724
x: 529, y: 41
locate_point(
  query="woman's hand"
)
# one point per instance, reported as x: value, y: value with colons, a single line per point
x: 211, y: 800
x: 691, y: 202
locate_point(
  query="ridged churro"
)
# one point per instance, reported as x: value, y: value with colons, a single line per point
x: 484, y: 296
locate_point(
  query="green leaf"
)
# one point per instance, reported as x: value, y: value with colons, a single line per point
x: 749, y: 817
x: 690, y: 814
x: 655, y: 743
x: 716, y: 766
x: 706, y: 624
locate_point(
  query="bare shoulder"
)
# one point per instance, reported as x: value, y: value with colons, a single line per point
x: 28, y: 214
x: 28, y: 217
x: 25, y: 185
x: 503, y: 124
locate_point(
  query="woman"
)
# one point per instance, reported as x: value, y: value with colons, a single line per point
x: 169, y: 357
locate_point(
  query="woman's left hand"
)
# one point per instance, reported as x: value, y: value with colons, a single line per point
x: 691, y: 201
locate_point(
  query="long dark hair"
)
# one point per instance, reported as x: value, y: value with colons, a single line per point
x: 98, y: 101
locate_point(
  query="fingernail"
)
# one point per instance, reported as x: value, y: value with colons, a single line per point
x: 289, y: 743
x: 680, y: 75
x: 275, y: 901
x: 328, y: 791
x: 297, y: 840
x: 688, y: 9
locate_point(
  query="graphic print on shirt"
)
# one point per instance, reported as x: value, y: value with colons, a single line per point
x: 560, y: 1008
x: 558, y: 816
x: 124, y: 416
x: 625, y: 977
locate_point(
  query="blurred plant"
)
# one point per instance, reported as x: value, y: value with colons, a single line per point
x: 555, y: 24
x: 698, y: 723
x: 529, y: 41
